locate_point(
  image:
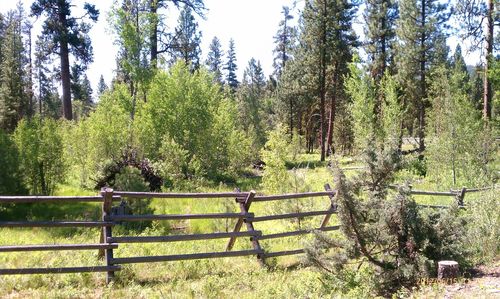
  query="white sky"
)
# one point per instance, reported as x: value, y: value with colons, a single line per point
x: 251, y: 23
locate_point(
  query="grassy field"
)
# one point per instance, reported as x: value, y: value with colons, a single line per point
x: 286, y: 277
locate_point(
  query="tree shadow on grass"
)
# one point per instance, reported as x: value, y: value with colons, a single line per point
x: 52, y: 212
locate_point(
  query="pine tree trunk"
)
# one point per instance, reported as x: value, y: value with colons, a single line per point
x: 423, y: 87
x: 65, y: 75
x: 487, y: 91
x: 323, y: 84
x: 153, y: 9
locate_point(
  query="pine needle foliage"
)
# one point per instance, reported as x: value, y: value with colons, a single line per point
x: 385, y: 232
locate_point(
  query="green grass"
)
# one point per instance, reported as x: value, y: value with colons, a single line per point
x: 219, y: 278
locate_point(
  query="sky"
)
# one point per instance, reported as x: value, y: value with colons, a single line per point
x: 251, y: 23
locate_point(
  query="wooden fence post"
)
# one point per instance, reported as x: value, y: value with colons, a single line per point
x: 244, y: 207
x: 460, y: 196
x: 333, y: 207
x: 107, y: 194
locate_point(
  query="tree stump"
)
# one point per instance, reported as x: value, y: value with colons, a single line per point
x: 447, y: 269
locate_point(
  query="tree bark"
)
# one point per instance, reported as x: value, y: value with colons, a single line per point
x: 323, y: 84
x: 423, y: 87
x: 487, y: 91
x: 65, y: 75
x: 153, y: 10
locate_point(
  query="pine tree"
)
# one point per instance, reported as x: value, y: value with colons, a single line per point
x: 421, y: 36
x: 68, y: 34
x: 81, y: 90
x: 231, y: 67
x: 474, y: 18
x: 49, y: 102
x: 250, y: 97
x: 284, y: 40
x: 159, y: 38
x: 13, y: 76
x: 380, y: 20
x: 327, y: 40
x: 214, y: 60
x: 101, y: 86
x: 187, y: 40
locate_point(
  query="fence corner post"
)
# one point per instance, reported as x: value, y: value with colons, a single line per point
x: 107, y: 194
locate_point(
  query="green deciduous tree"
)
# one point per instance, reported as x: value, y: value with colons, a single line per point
x: 183, y: 114
x: 457, y: 156
x: 11, y: 179
x: 40, y: 145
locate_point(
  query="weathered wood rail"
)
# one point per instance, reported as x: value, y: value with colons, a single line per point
x: 109, y: 243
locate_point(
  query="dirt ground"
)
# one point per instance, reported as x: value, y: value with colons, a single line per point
x: 483, y: 282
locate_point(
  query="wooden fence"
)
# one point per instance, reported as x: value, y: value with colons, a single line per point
x: 243, y: 200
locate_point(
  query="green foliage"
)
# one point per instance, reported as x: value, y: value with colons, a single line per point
x: 382, y: 123
x: 214, y: 60
x: 40, y: 145
x: 187, y: 39
x: 187, y: 109
x: 130, y: 179
x: 101, y: 137
x: 231, y: 67
x: 275, y: 154
x: 483, y: 227
x: 386, y: 229
x: 459, y: 147
x: 13, y: 96
x: 11, y: 179
x: 361, y: 90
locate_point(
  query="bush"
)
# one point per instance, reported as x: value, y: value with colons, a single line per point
x: 386, y: 230
x: 101, y: 137
x: 10, y: 177
x: 483, y: 229
x: 40, y: 145
x: 130, y: 179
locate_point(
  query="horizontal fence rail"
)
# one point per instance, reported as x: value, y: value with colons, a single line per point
x: 109, y: 219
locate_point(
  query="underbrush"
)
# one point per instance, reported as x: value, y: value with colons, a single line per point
x: 286, y: 277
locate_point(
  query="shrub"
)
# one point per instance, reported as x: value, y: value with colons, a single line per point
x: 10, y: 177
x: 130, y: 179
x: 40, y: 146
x: 386, y: 230
x: 483, y: 229
x: 102, y: 137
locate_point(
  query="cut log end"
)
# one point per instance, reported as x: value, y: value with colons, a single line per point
x: 448, y: 269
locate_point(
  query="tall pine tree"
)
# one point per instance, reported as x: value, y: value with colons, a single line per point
x: 327, y: 39
x: 421, y: 35
x: 13, y: 76
x: 187, y: 40
x: 231, y: 67
x: 214, y: 60
x: 68, y: 35
x: 284, y: 41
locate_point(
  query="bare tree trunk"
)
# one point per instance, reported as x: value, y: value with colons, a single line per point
x: 153, y: 9
x: 65, y: 75
x: 31, y: 103
x: 487, y: 91
x: 423, y: 87
x: 323, y: 85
